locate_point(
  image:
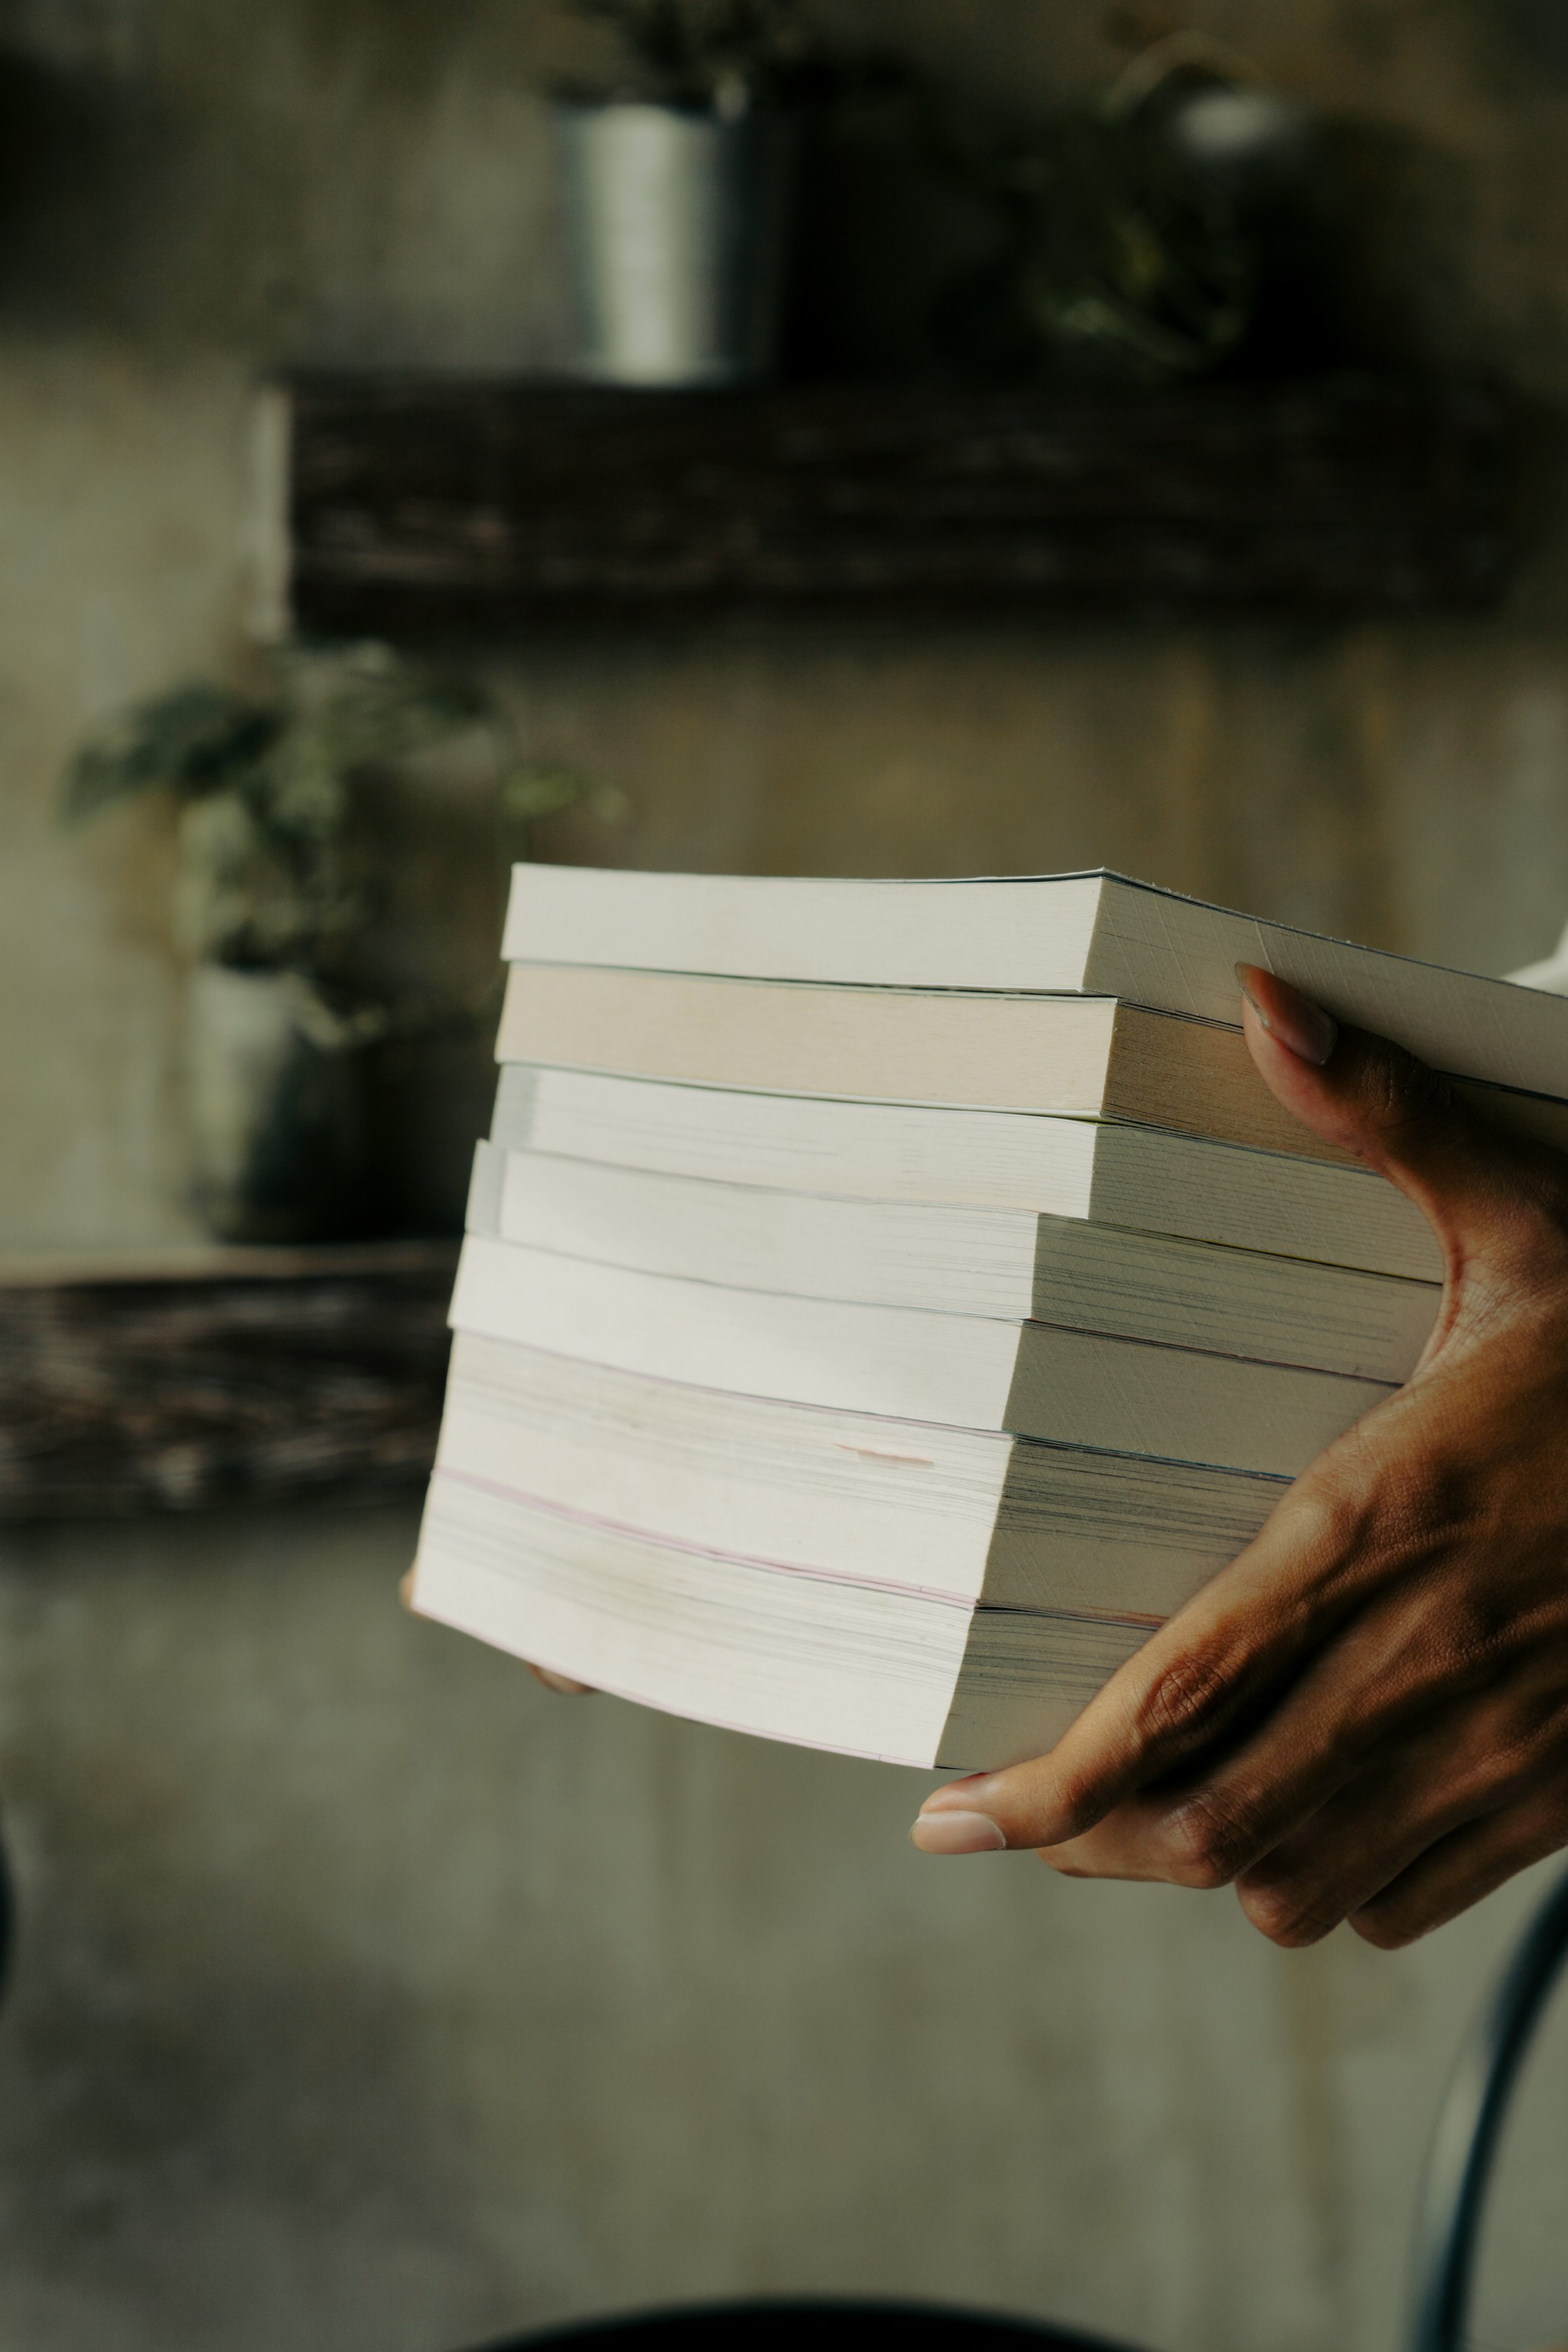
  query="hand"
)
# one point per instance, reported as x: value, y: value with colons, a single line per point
x: 1365, y: 1715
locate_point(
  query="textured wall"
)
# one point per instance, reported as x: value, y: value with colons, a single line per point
x: 368, y: 1998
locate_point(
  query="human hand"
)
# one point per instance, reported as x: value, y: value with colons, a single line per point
x: 1364, y: 1715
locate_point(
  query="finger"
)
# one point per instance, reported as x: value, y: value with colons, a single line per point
x: 1350, y: 1828
x: 1463, y: 1868
x: 1403, y: 1119
x: 1127, y: 1843
x: 1258, y: 1656
x: 562, y: 1683
x: 1465, y: 1768
x: 1210, y: 1670
x: 1387, y: 1686
x: 1358, y: 1838
x: 1224, y: 1817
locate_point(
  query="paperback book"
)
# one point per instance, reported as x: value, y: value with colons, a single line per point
x: 885, y: 1303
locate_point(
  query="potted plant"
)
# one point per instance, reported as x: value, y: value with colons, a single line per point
x: 677, y: 189
x: 1140, y: 230
x: 274, y: 887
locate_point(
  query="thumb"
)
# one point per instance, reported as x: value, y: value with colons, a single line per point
x: 1401, y: 1118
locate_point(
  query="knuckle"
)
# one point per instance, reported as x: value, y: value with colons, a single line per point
x: 1209, y: 1839
x: 1289, y: 1916
x: 1386, y: 1930
x: 1185, y: 1699
x: 1334, y: 1509
x: 1400, y: 1095
x: 1467, y: 1870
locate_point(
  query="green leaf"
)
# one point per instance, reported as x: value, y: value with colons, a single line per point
x: 530, y: 793
x: 191, y: 742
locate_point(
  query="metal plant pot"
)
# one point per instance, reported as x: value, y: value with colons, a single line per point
x: 679, y: 229
x: 273, y: 1095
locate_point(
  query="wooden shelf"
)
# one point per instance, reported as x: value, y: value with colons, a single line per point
x: 220, y: 1377
x: 440, y: 505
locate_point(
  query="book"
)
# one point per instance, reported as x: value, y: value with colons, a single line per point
x: 967, y: 1514
x: 909, y: 1677
x: 885, y: 1303
x: 1035, y: 1380
x: 990, y: 1261
x: 1087, y: 1057
x: 1094, y: 934
x: 1140, y: 1178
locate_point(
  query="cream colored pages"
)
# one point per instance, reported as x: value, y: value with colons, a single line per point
x: 1004, y: 1051
x: 1078, y: 1056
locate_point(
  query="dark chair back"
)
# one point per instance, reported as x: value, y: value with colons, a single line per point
x: 1469, y: 2125
x: 768, y: 2325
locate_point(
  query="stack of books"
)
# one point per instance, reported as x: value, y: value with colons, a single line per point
x: 885, y: 1302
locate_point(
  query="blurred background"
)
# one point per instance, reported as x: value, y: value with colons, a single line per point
x: 364, y: 1996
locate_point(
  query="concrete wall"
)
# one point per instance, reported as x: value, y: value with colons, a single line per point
x: 368, y: 1998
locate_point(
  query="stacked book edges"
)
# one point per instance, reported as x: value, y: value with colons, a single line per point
x: 884, y: 1303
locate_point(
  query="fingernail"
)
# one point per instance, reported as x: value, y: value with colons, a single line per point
x: 1302, y: 1027
x: 957, y: 1834
x: 562, y: 1683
